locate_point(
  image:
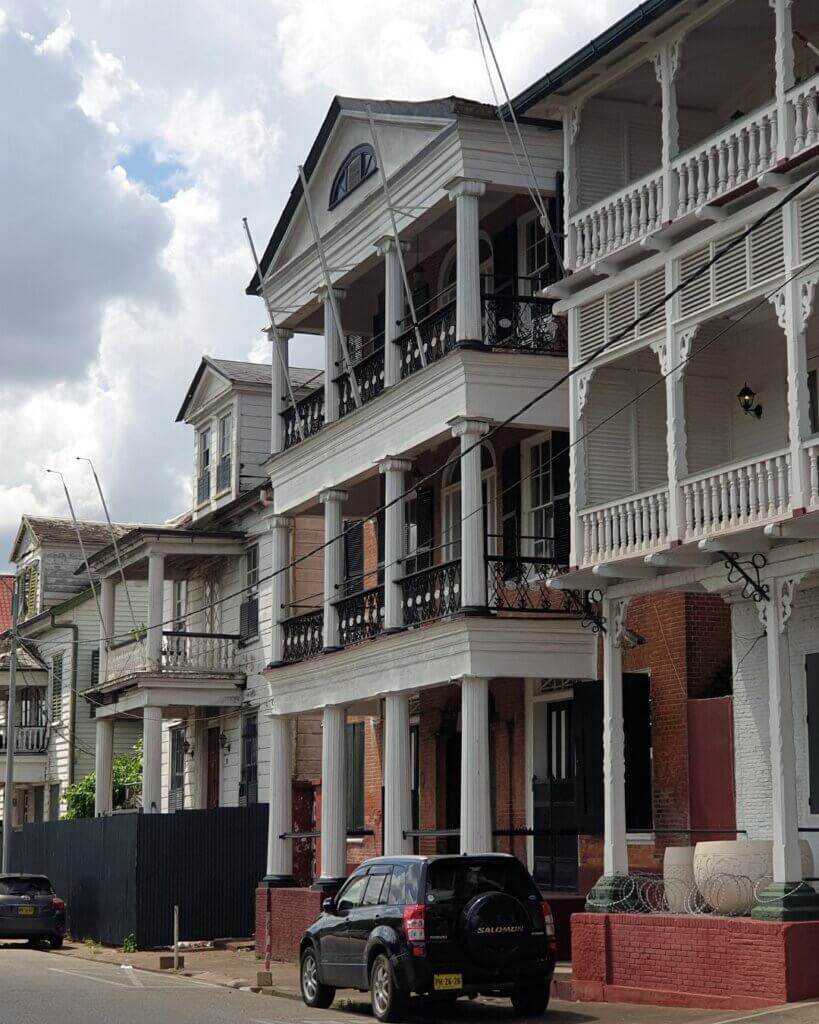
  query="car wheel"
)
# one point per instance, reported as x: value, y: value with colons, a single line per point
x: 312, y: 991
x: 388, y: 1002
x: 531, y: 1001
x: 56, y: 942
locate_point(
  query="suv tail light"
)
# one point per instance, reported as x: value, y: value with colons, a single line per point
x: 415, y: 929
x: 549, y: 926
x: 58, y: 904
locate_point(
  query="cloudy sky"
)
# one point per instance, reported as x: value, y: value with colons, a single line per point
x: 135, y: 135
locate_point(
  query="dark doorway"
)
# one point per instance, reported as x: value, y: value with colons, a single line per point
x: 638, y: 751
x: 214, y: 752
x: 554, y: 796
x: 452, y: 761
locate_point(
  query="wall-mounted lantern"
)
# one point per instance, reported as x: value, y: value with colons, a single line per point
x: 747, y: 401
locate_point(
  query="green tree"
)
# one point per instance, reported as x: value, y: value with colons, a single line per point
x: 127, y: 777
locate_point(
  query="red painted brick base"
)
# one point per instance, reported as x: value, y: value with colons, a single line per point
x: 291, y: 911
x: 711, y: 963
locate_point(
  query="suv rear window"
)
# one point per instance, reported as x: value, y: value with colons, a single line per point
x: 25, y: 886
x: 464, y: 878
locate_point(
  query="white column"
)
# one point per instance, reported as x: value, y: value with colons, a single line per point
x: 787, y: 865
x: 333, y: 795
x: 578, y: 393
x: 476, y: 806
x: 473, y: 542
x: 666, y: 64
x: 333, y: 563
x: 333, y: 363
x: 571, y: 127
x: 615, y: 851
x: 200, y: 765
x: 670, y: 353
x: 107, y: 623
x: 394, y: 300
x: 104, y: 766
x: 280, y: 533
x: 280, y: 398
x: 156, y: 595
x: 784, y: 64
x: 397, y: 775
x: 394, y: 471
x: 280, y: 820
x: 468, y: 320
x: 152, y: 760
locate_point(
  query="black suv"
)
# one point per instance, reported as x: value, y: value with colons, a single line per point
x: 442, y: 926
x: 30, y: 910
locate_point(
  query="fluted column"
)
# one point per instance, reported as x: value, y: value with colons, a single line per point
x: 107, y: 623
x: 280, y: 398
x: 333, y: 797
x: 473, y: 543
x: 152, y: 760
x: 156, y: 595
x: 280, y: 533
x: 104, y: 766
x: 468, y: 323
x: 476, y: 806
x: 333, y: 362
x: 394, y: 471
x: 333, y: 563
x: 394, y: 300
x: 280, y: 818
x: 397, y: 775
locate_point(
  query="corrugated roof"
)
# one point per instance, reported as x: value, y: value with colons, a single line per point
x: 6, y: 593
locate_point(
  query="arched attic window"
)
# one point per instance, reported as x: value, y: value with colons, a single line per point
x: 358, y: 165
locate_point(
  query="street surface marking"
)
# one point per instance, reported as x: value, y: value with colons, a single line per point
x: 132, y: 975
x: 767, y: 1013
x: 135, y: 980
x: 90, y: 977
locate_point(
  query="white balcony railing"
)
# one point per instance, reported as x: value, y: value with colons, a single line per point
x: 185, y: 653
x: 731, y: 158
x: 625, y: 217
x: 804, y: 104
x: 28, y: 739
x: 742, y: 494
x: 633, y: 526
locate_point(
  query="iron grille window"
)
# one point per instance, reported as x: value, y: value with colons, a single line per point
x: 176, y: 786
x: 57, y: 688
x: 249, y: 779
x: 355, y: 775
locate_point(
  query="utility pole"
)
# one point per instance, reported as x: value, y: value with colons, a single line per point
x: 11, y: 719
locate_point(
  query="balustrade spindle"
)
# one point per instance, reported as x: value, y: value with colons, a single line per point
x: 753, y: 501
x: 662, y: 502
x: 812, y: 129
x: 743, y: 495
x: 609, y: 528
x: 654, y: 523
x: 782, y: 483
x: 732, y: 161
x: 814, y: 476
x: 770, y: 485
x: 733, y: 498
x: 689, y: 509
x: 800, y: 125
x: 753, y: 150
x: 764, y: 128
x: 697, y: 507
x: 722, y: 168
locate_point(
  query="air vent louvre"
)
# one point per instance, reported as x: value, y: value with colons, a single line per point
x: 697, y: 294
x: 650, y: 291
x: 809, y: 228
x: 591, y: 325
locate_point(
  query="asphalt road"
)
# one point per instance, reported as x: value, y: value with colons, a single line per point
x: 39, y: 988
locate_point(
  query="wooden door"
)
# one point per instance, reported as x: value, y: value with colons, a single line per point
x: 214, y: 752
x: 554, y: 793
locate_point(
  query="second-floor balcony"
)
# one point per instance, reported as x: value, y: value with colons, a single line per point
x: 28, y: 739
x: 180, y: 653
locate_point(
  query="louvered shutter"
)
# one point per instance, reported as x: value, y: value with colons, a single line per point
x: 355, y: 775
x: 812, y: 675
x: 244, y: 619
x: 95, y: 667
x: 510, y: 508
x: 57, y: 688
x: 587, y: 736
x: 560, y: 490
x: 353, y: 557
x: 425, y: 505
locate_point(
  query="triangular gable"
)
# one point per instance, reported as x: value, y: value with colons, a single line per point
x: 208, y: 383
x: 24, y: 540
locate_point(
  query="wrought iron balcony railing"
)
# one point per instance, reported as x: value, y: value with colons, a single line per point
x: 431, y: 593
x: 369, y: 374
x: 303, y: 635
x: 524, y: 323
x: 437, y: 331
x: 360, y: 616
x: 310, y: 411
x: 28, y: 739
x: 519, y: 584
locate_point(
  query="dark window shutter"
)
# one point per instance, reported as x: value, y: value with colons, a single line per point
x: 379, y: 526
x: 505, y: 260
x: 510, y: 508
x: 95, y: 667
x: 244, y: 619
x: 812, y: 673
x: 253, y: 616
x: 637, y: 743
x: 587, y: 737
x: 425, y: 507
x: 353, y: 557
x: 355, y: 775
x: 560, y: 490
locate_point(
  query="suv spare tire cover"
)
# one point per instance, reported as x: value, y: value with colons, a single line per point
x: 494, y: 925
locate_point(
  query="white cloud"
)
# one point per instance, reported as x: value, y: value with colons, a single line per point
x: 108, y: 297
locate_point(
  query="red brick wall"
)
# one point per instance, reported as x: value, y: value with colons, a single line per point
x: 291, y: 911
x: 694, y: 961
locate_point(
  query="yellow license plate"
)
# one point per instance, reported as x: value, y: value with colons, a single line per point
x: 29, y: 911
x: 447, y: 982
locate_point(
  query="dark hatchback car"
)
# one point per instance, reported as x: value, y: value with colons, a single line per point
x: 441, y: 926
x: 29, y: 909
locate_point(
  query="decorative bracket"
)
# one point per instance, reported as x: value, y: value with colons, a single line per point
x: 574, y: 121
x: 746, y: 572
x: 685, y: 340
x: 620, y: 609
x: 807, y: 293
x: 583, y: 381
x: 779, y: 301
x: 586, y: 603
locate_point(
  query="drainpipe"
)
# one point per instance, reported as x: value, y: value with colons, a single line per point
x: 72, y: 705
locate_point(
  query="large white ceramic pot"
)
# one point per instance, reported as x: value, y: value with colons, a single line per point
x: 678, y: 877
x: 729, y: 875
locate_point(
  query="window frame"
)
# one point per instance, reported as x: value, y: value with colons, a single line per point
x: 341, y: 187
x: 176, y: 768
x: 249, y: 760
x: 528, y: 276
x: 528, y: 546
x: 56, y: 702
